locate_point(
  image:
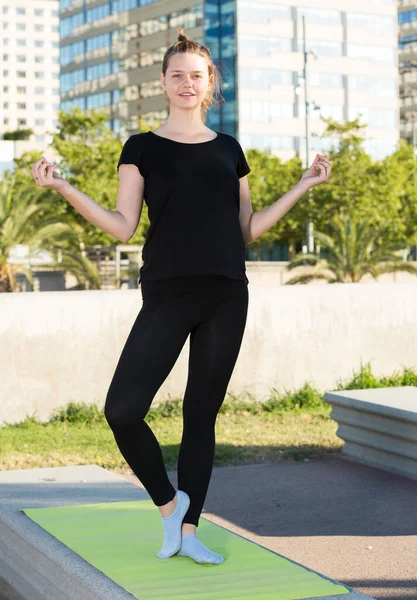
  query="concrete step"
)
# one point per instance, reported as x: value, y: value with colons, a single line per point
x: 378, y: 426
x: 35, y: 564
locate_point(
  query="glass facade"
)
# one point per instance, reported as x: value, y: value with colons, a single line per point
x: 379, y: 118
x: 407, y: 17
x: 378, y: 55
x: 383, y: 86
x: 220, y: 37
x: 258, y: 45
x: 78, y: 53
x: 320, y: 16
x: 261, y: 12
x: 218, y: 20
x: 263, y: 78
x: 268, y: 143
x: 374, y: 24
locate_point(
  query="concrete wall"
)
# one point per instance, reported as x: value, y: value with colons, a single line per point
x: 57, y: 347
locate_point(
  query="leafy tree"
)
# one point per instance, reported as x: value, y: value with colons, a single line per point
x: 381, y: 192
x: 23, y: 221
x: 18, y: 134
x: 269, y: 179
x: 353, y: 249
x: 89, y: 153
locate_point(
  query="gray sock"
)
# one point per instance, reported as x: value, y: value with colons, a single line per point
x: 172, y: 526
x: 191, y: 546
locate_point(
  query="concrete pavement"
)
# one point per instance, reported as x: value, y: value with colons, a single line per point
x: 352, y: 523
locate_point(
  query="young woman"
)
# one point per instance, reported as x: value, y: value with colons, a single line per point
x: 193, y: 282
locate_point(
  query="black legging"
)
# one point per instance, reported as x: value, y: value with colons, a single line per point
x: 213, y: 310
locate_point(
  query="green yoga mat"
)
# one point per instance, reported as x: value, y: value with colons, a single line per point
x: 121, y: 539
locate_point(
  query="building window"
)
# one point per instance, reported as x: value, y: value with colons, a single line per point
x: 320, y: 16
x: 39, y: 27
x: 21, y: 90
x: 265, y: 111
x: 20, y: 11
x: 38, y: 59
x: 38, y: 43
x: 381, y: 55
x: 251, y: 77
x: 262, y: 45
x: 21, y: 105
x: 39, y: 122
x: 38, y: 75
x: 5, y: 89
x: 39, y: 106
x: 39, y: 90
x: 38, y: 12
x: 322, y: 48
x: 374, y: 24
x: 20, y: 27
x: 21, y: 58
x: 21, y: 74
x: 22, y: 121
x: 21, y: 42
x: 260, y: 12
x: 6, y: 72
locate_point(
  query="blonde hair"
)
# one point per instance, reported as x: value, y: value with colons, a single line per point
x: 185, y: 44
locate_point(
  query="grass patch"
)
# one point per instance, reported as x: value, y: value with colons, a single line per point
x: 290, y: 426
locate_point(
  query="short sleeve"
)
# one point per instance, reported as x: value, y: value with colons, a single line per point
x: 242, y: 167
x: 131, y: 153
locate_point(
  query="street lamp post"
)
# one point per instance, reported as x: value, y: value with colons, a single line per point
x: 310, y: 226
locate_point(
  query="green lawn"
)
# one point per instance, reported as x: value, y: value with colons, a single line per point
x: 292, y: 426
x: 241, y: 437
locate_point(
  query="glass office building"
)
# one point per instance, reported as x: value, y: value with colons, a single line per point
x: 407, y: 44
x: 112, y: 50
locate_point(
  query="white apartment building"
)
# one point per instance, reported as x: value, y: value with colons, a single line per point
x: 29, y: 74
x: 354, y: 70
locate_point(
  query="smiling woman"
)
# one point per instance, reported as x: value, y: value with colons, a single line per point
x: 194, y: 182
x: 193, y: 283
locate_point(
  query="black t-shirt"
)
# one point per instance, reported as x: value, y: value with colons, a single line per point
x: 192, y: 194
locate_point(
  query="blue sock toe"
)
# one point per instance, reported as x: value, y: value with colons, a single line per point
x: 191, y: 546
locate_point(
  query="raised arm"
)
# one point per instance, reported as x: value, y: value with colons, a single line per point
x: 120, y: 223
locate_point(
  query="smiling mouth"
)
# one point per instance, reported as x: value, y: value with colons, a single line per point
x: 187, y: 94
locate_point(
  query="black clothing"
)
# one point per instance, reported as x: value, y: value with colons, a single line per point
x: 213, y: 310
x: 192, y: 194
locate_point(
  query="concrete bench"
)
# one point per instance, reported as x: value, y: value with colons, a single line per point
x: 38, y: 566
x: 378, y: 426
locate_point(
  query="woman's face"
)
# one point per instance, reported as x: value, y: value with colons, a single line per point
x: 186, y: 73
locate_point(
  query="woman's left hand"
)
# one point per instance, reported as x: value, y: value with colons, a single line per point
x: 312, y: 176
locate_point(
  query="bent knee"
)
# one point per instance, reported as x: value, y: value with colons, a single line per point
x: 121, y: 412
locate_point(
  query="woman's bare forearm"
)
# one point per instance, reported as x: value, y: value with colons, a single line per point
x: 262, y: 220
x: 110, y: 221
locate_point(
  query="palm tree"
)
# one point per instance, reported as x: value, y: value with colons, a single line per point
x: 352, y: 252
x: 28, y: 221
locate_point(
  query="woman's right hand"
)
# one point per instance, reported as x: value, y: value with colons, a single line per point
x: 45, y: 176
